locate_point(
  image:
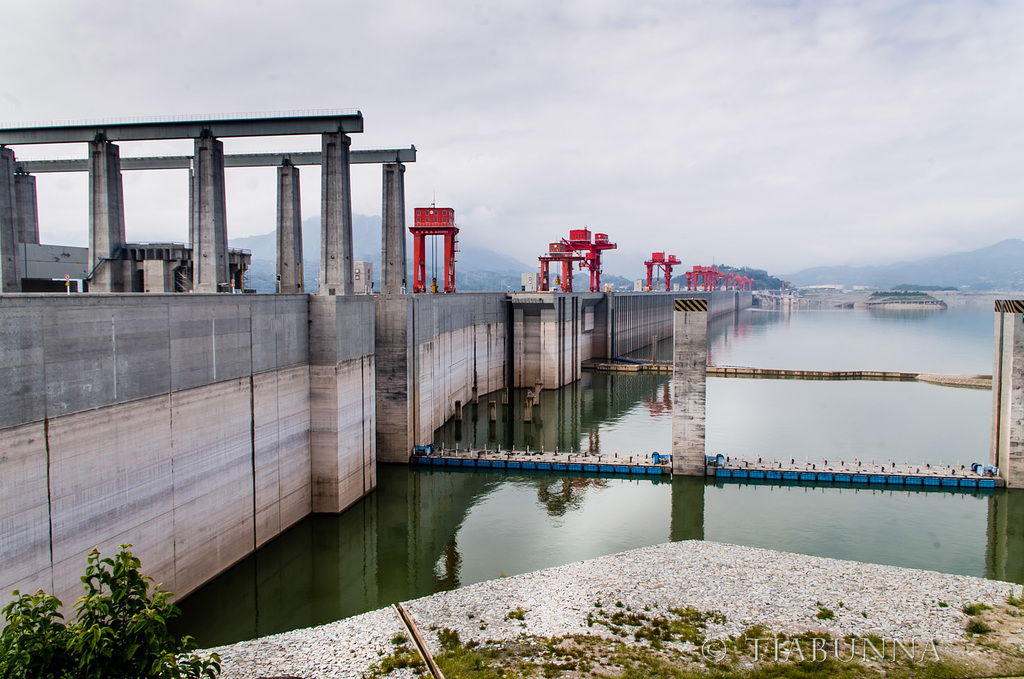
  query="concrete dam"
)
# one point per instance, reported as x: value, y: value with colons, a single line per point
x: 199, y: 427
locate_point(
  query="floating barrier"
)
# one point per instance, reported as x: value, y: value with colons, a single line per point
x: 833, y: 478
x: 427, y: 456
x: 718, y: 466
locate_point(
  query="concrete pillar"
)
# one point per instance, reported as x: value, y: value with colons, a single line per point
x: 689, y: 385
x: 26, y: 209
x: 9, y: 281
x: 209, y: 224
x: 392, y: 250
x: 335, y: 216
x: 1007, y: 449
x: 396, y: 386
x: 106, y: 218
x: 343, y: 429
x: 289, y: 230
x: 158, y: 275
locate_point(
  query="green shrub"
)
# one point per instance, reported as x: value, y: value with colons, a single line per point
x: 120, y: 631
x: 978, y: 626
x: 975, y: 608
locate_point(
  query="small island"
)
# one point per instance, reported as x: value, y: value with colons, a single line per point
x: 903, y: 299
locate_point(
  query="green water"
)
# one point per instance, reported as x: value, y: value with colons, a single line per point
x: 426, y: 531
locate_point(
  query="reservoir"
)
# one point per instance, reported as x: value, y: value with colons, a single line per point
x: 424, y: 531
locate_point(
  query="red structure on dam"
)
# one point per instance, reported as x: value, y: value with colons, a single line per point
x: 582, y: 247
x: 433, y: 221
x: 663, y: 262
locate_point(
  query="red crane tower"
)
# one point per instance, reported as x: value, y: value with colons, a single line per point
x: 663, y: 262
x: 704, y: 278
x: 433, y: 221
x: 590, y: 252
x: 558, y: 252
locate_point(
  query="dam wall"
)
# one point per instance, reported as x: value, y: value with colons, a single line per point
x: 634, y: 319
x: 433, y: 351
x: 553, y: 333
x: 187, y: 425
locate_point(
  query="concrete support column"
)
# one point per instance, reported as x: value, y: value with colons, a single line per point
x: 689, y: 385
x: 9, y: 280
x: 26, y: 209
x: 209, y: 224
x: 335, y: 216
x: 1007, y: 449
x: 106, y: 218
x: 289, y: 230
x: 392, y: 250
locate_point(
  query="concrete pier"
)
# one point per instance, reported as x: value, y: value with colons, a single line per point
x: 689, y: 386
x: 343, y: 419
x: 209, y: 237
x: 392, y: 252
x: 26, y: 210
x: 1007, y: 449
x: 9, y: 280
x: 289, y: 230
x: 336, y: 276
x: 106, y: 219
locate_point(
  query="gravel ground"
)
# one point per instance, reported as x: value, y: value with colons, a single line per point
x: 749, y: 586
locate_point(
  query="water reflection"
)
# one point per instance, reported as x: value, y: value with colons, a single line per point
x: 426, y: 531
x: 615, y: 414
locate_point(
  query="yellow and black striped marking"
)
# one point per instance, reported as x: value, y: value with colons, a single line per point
x: 691, y: 305
x: 1006, y: 306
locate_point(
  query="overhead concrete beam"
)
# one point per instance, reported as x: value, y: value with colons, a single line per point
x: 359, y: 157
x: 190, y: 128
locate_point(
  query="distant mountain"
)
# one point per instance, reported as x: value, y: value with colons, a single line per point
x: 996, y: 267
x: 476, y: 268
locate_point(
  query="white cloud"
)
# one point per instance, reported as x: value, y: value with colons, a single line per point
x: 777, y: 135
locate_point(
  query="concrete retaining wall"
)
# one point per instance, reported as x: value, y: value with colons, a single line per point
x: 178, y: 423
x: 433, y: 350
x: 553, y: 333
x: 635, y: 318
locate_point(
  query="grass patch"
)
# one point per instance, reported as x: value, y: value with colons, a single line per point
x: 975, y: 608
x: 517, y: 613
x: 978, y: 626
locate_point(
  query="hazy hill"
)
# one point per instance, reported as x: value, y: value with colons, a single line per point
x: 476, y: 268
x: 996, y: 267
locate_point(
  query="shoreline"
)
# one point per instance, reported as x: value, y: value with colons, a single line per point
x: 780, y: 591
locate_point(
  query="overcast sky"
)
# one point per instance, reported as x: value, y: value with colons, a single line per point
x: 779, y: 135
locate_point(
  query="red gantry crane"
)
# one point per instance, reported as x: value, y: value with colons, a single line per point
x: 663, y: 262
x: 580, y: 242
x: 433, y: 221
x: 577, y: 248
x: 558, y: 252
